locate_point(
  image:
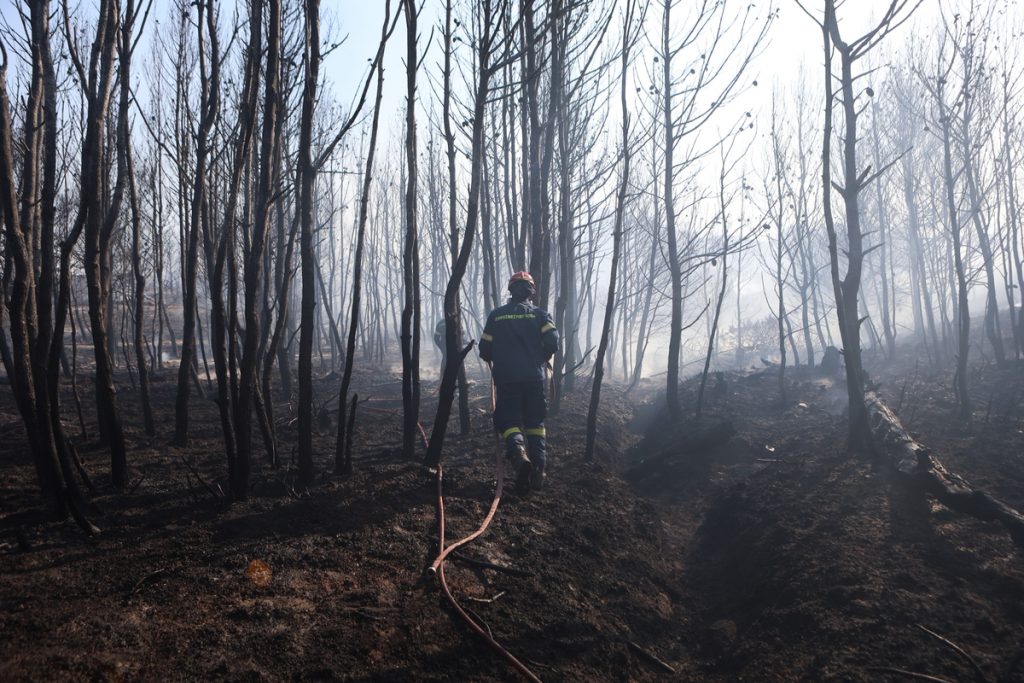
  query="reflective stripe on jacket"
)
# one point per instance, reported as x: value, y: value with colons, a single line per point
x: 518, y: 340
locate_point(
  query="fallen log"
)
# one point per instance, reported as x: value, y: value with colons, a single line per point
x: 914, y: 463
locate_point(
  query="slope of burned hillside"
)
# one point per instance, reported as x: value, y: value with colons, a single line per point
x: 764, y: 553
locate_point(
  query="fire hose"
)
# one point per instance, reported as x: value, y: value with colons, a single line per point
x: 437, y: 567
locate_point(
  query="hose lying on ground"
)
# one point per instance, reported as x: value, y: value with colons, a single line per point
x: 437, y: 567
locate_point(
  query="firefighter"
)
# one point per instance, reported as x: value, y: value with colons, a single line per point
x: 517, y: 342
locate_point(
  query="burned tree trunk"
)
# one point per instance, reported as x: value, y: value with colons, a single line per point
x: 98, y: 233
x: 780, y: 282
x: 29, y: 234
x: 343, y: 447
x: 307, y: 180
x: 884, y: 246
x: 487, y: 43
x: 855, y: 180
x: 124, y: 147
x: 723, y: 217
x: 675, y: 272
x: 943, y: 114
x: 966, y: 44
x: 449, y: 138
x: 410, y: 256
x: 216, y: 247
x: 208, y: 111
x: 253, y: 257
x: 848, y: 289
x: 628, y: 36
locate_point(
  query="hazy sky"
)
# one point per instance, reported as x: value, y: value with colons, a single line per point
x: 793, y: 40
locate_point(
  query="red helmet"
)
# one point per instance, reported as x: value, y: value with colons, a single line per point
x: 521, y: 276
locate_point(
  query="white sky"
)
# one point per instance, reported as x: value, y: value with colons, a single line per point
x: 794, y: 40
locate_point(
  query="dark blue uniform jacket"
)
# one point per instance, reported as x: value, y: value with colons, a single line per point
x: 518, y: 340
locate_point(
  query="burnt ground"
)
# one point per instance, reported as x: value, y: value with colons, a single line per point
x: 773, y: 556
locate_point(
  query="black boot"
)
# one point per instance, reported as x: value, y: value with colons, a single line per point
x: 537, y: 477
x: 521, y: 466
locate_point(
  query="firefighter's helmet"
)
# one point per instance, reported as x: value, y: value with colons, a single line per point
x: 521, y: 276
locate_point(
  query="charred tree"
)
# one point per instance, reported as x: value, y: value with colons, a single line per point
x: 671, y: 239
x: 719, y: 46
x: 343, y: 447
x: 29, y: 221
x: 208, y: 111
x: 306, y: 183
x: 724, y: 219
x: 453, y: 201
x: 491, y: 52
x: 124, y: 148
x: 916, y: 466
x: 943, y: 118
x: 629, y: 34
x: 780, y: 240
x: 847, y: 289
x: 253, y: 257
x: 410, y: 255
x: 98, y: 233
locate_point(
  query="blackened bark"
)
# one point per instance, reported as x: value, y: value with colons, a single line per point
x: 98, y: 232
x: 410, y: 259
x: 675, y: 272
x: 208, y: 111
x: 253, y: 258
x: 125, y: 148
x: 343, y: 447
x: 307, y: 181
x: 485, y: 43
x: 620, y: 211
x: 29, y: 234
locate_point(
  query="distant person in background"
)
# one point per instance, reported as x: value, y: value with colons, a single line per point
x: 439, y: 340
x: 442, y: 345
x: 517, y: 341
